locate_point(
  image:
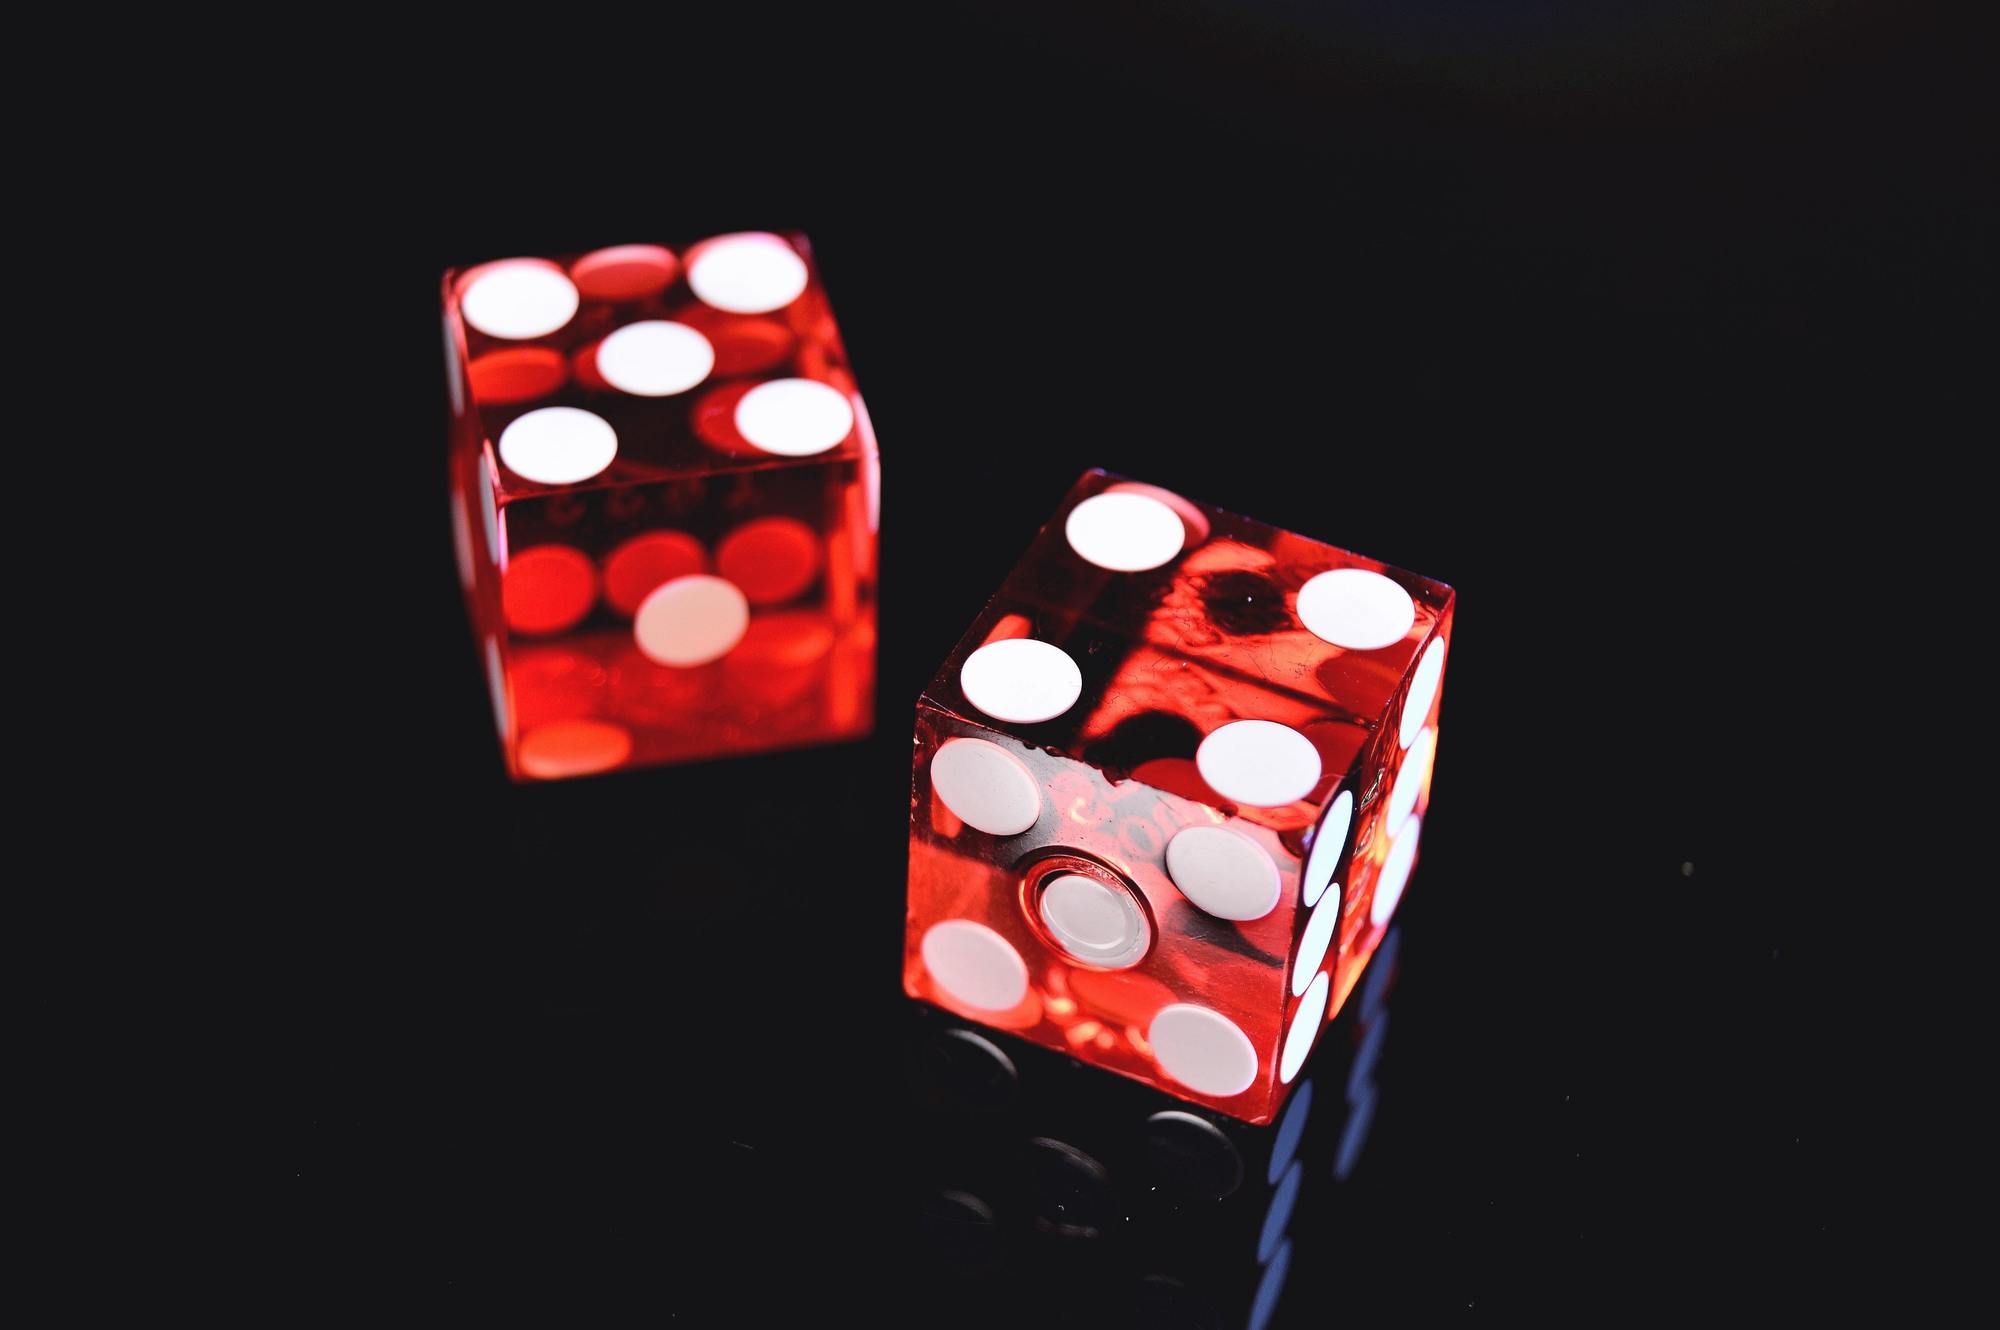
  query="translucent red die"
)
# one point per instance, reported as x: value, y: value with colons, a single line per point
x: 1168, y: 791
x: 664, y: 494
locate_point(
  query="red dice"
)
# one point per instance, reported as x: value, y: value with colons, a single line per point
x: 664, y: 499
x: 1168, y: 791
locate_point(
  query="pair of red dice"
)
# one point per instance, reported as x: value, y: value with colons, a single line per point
x: 1168, y: 788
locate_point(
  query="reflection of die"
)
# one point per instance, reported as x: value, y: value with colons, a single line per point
x: 1046, y: 1194
x: 664, y: 491
x: 1168, y: 791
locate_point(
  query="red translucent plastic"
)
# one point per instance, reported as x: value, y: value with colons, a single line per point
x: 556, y: 574
x: 1167, y: 656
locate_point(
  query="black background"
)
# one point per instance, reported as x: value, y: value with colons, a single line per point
x: 1593, y: 317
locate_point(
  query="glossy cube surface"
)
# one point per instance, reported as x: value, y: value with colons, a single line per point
x: 1044, y: 1193
x: 1168, y: 791
x: 664, y: 493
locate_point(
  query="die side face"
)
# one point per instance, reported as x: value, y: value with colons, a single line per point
x: 664, y: 490
x: 1155, y: 814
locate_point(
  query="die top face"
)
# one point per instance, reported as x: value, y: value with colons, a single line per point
x: 641, y: 363
x: 1198, y: 652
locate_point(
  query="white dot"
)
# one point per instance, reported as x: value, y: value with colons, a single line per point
x: 1410, y: 781
x: 1192, y: 518
x: 975, y: 965
x: 454, y: 369
x: 1318, y: 937
x: 489, y: 513
x: 1326, y: 847
x: 1305, y: 1027
x: 1270, y: 1288
x: 625, y: 272
x: 461, y: 539
x: 690, y: 620
x: 1095, y: 922
x: 1224, y: 873
x: 988, y: 787
x: 496, y: 683
x: 871, y: 470
x: 1203, y: 1050
x: 559, y: 749
x: 1395, y: 873
x: 1021, y: 680
x: 558, y: 445
x: 1423, y: 691
x: 655, y: 358
x: 519, y: 298
x: 1126, y: 533
x: 794, y: 417
x: 1279, y: 1213
x: 1291, y: 1130
x: 1258, y: 762
x: 1356, y: 609
x: 751, y: 272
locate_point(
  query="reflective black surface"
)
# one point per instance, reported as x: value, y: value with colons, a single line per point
x: 1582, y: 327
x: 1077, y: 1201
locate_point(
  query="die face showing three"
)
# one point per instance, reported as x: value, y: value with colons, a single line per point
x: 664, y: 503
x: 1168, y: 790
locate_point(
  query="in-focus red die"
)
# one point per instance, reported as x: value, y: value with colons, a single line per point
x: 664, y: 501
x: 1168, y: 791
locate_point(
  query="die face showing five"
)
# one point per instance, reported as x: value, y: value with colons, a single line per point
x: 1168, y: 789
x: 664, y: 503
